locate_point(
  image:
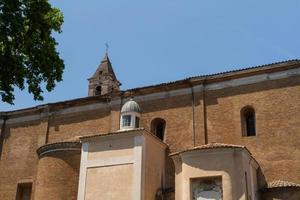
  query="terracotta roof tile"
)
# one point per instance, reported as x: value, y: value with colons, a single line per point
x: 111, y: 133
x: 282, y: 184
x: 210, y: 146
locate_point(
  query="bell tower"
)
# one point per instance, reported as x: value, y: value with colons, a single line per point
x: 104, y: 80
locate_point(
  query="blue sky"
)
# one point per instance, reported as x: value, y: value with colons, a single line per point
x: 164, y: 40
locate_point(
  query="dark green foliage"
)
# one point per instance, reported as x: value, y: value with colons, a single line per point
x: 28, y: 55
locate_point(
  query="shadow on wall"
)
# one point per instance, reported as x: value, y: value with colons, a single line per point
x: 56, y: 121
x: 168, y: 192
x: 289, y: 193
x: 213, y: 95
x: 168, y: 103
x: 80, y: 117
x: 170, y: 172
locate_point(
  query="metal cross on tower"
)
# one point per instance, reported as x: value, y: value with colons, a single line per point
x: 107, y: 47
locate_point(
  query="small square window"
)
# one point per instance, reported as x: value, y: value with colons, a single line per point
x: 126, y: 120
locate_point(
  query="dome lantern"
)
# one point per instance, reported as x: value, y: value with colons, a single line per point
x: 130, y: 115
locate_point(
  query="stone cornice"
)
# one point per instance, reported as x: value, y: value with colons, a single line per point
x: 58, y: 147
x: 222, y: 80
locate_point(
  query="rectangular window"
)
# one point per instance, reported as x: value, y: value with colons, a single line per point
x: 126, y: 120
x: 24, y: 191
x: 137, y: 122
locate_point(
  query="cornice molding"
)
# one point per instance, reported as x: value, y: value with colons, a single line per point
x: 49, y: 149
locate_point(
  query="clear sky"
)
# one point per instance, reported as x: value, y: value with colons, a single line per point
x: 164, y: 40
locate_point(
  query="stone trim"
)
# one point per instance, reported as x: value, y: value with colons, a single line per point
x: 124, y: 133
x: 83, y: 171
x: 57, y: 147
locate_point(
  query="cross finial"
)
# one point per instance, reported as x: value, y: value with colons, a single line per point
x: 107, y: 47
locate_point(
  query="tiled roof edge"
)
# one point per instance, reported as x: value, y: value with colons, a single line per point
x: 107, y: 97
x: 111, y: 133
x: 292, y: 61
x: 210, y: 146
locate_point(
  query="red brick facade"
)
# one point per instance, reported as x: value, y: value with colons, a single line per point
x: 197, y: 111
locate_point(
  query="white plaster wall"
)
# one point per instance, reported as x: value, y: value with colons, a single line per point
x: 229, y: 164
x: 111, y: 148
x: 131, y: 163
x: 109, y: 182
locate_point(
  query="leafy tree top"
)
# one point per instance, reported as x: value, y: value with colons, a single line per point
x: 28, y: 55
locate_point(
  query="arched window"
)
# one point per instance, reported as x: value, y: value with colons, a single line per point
x: 248, y: 121
x: 98, y: 90
x: 158, y: 127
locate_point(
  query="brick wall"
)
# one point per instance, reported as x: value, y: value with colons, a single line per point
x: 277, y: 107
x: 19, y: 159
x: 276, y: 146
x: 58, y: 176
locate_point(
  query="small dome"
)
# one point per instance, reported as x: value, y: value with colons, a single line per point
x: 131, y: 106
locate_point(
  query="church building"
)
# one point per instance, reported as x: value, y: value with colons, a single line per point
x: 228, y: 136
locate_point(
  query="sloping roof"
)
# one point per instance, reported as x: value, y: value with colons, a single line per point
x: 111, y: 133
x: 248, y: 71
x: 282, y: 184
x: 105, y: 67
x: 211, y: 146
x: 227, y: 73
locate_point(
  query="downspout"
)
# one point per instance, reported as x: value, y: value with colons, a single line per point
x: 46, y: 116
x: 193, y: 115
x: 48, y: 128
x: 4, y: 117
x: 121, y: 103
x: 204, y: 112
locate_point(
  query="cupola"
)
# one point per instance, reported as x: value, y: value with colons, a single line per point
x: 130, y: 115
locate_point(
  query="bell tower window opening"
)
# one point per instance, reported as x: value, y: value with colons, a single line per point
x: 248, y: 121
x: 98, y: 90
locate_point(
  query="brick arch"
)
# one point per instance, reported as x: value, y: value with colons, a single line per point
x: 158, y: 128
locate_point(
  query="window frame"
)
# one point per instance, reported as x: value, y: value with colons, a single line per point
x: 248, y: 110
x: 154, y: 126
x: 137, y: 122
x: 22, y: 188
x: 123, y: 121
x: 214, y: 179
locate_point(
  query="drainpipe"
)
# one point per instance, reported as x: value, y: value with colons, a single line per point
x: 193, y: 115
x: 4, y: 117
x: 45, y: 117
x: 49, y: 118
x: 121, y: 104
x: 204, y: 111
